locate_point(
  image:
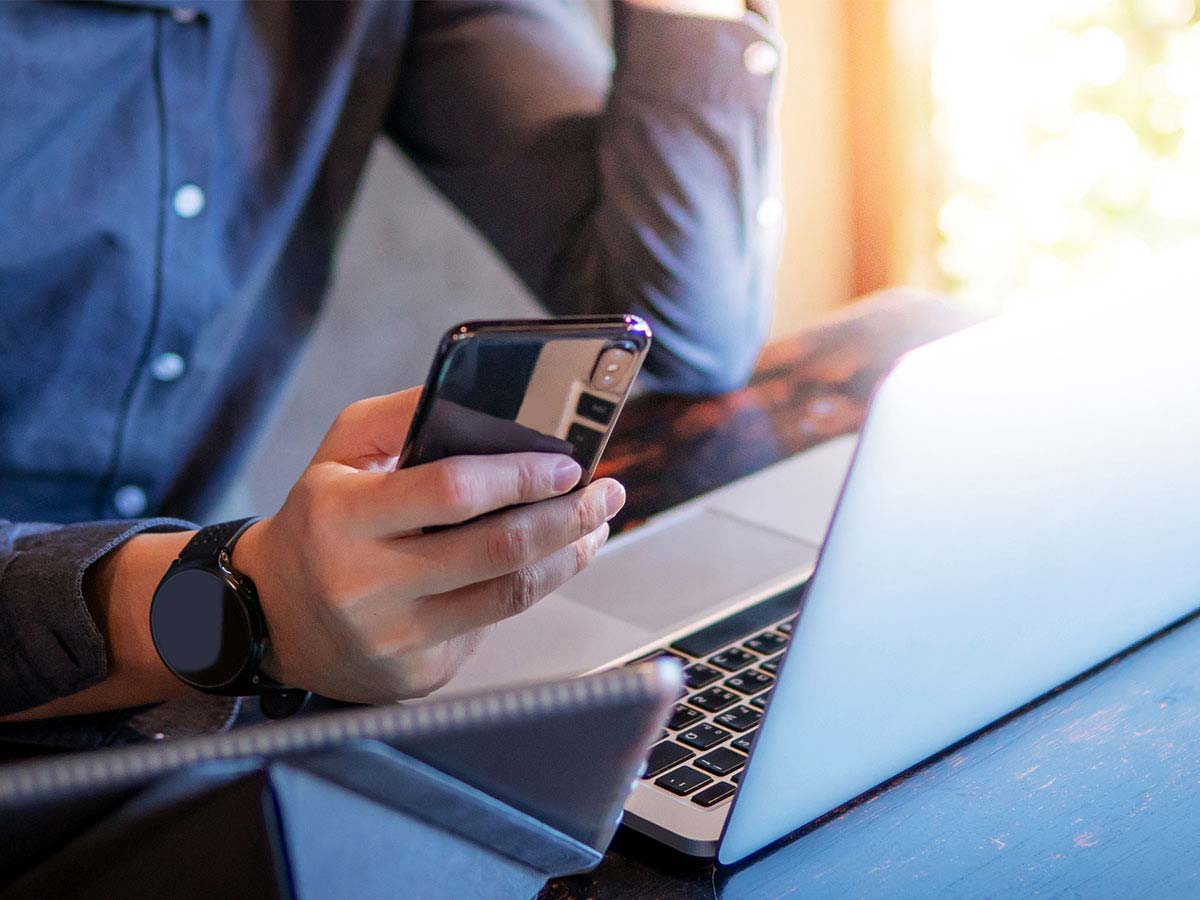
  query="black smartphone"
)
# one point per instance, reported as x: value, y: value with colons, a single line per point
x: 508, y: 386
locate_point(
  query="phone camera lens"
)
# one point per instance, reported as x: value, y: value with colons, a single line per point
x: 610, y: 367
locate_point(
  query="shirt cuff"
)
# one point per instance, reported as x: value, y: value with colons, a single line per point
x: 695, y: 59
x: 49, y: 645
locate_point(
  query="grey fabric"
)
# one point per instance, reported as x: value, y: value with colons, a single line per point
x: 180, y: 183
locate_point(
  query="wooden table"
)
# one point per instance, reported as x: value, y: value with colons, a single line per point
x: 1093, y: 793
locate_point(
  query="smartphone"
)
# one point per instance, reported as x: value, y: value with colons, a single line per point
x: 547, y: 385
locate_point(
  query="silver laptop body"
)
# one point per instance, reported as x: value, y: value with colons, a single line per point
x: 1024, y: 503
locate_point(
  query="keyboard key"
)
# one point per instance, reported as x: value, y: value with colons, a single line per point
x: 714, y: 699
x: 682, y: 716
x: 737, y: 778
x: 766, y: 643
x: 740, y: 625
x: 733, y: 659
x: 721, y: 761
x: 663, y: 756
x: 711, y: 796
x: 750, y: 682
x: 786, y: 627
x: 743, y: 743
x: 683, y: 780
x: 740, y: 718
x: 699, y: 675
x: 771, y: 665
x: 761, y: 700
x: 703, y: 736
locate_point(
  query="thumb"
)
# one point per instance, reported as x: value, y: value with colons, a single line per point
x: 370, y: 432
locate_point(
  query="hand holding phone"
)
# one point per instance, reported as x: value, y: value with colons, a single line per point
x: 377, y: 581
x: 368, y: 592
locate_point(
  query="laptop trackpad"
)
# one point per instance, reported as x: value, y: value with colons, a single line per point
x: 675, y: 574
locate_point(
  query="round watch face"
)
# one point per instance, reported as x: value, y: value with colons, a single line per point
x: 201, y: 628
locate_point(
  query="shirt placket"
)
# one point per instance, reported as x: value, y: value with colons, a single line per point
x: 168, y: 375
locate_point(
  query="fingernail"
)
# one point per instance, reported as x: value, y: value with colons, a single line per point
x: 566, y: 474
x: 614, y: 498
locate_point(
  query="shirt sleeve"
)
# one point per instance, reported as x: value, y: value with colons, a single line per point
x: 49, y: 645
x: 641, y: 177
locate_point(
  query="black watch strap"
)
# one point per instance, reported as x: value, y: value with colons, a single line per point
x: 209, y: 542
x: 276, y: 700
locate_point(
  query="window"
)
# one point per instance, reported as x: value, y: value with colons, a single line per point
x: 1066, y: 144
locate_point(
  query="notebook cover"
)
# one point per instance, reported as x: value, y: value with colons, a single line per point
x: 514, y: 765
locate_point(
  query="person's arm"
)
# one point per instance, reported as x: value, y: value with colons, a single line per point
x: 640, y: 179
x: 711, y: 9
x: 98, y: 615
x: 51, y: 645
x: 360, y: 603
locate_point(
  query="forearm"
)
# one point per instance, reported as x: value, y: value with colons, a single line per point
x: 713, y: 9
x: 118, y: 590
x: 74, y: 617
x: 688, y: 177
x: 649, y: 187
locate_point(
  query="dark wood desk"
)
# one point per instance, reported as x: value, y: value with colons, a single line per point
x: 1091, y: 793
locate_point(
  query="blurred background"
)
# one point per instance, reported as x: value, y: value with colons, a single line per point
x: 1002, y: 152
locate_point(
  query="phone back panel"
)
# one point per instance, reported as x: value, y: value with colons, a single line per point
x: 554, y: 386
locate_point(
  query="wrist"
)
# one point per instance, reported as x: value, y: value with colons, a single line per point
x: 250, y: 558
x: 118, y: 590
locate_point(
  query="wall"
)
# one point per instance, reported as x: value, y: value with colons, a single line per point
x: 815, y: 273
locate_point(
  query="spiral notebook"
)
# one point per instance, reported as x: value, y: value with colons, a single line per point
x: 490, y: 793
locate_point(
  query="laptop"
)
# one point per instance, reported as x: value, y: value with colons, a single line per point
x: 1022, y: 504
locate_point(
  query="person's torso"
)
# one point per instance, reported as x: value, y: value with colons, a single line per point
x: 172, y: 183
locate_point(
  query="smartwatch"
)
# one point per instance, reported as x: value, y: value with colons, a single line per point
x: 208, y: 626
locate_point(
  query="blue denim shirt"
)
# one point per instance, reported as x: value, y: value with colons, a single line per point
x: 172, y: 185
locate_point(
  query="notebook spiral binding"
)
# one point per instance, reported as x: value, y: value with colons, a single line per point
x: 110, y: 768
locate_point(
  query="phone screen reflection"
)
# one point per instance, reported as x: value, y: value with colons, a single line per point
x: 504, y: 394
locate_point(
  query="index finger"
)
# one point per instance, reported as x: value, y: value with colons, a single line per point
x: 456, y: 489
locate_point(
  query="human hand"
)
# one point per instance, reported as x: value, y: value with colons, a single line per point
x: 361, y: 605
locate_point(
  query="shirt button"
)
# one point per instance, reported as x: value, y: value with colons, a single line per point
x: 167, y: 366
x: 129, y: 501
x: 183, y: 15
x: 761, y: 58
x: 189, y: 201
x: 770, y: 211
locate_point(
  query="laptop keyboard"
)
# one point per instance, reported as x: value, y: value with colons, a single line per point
x: 729, y: 671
